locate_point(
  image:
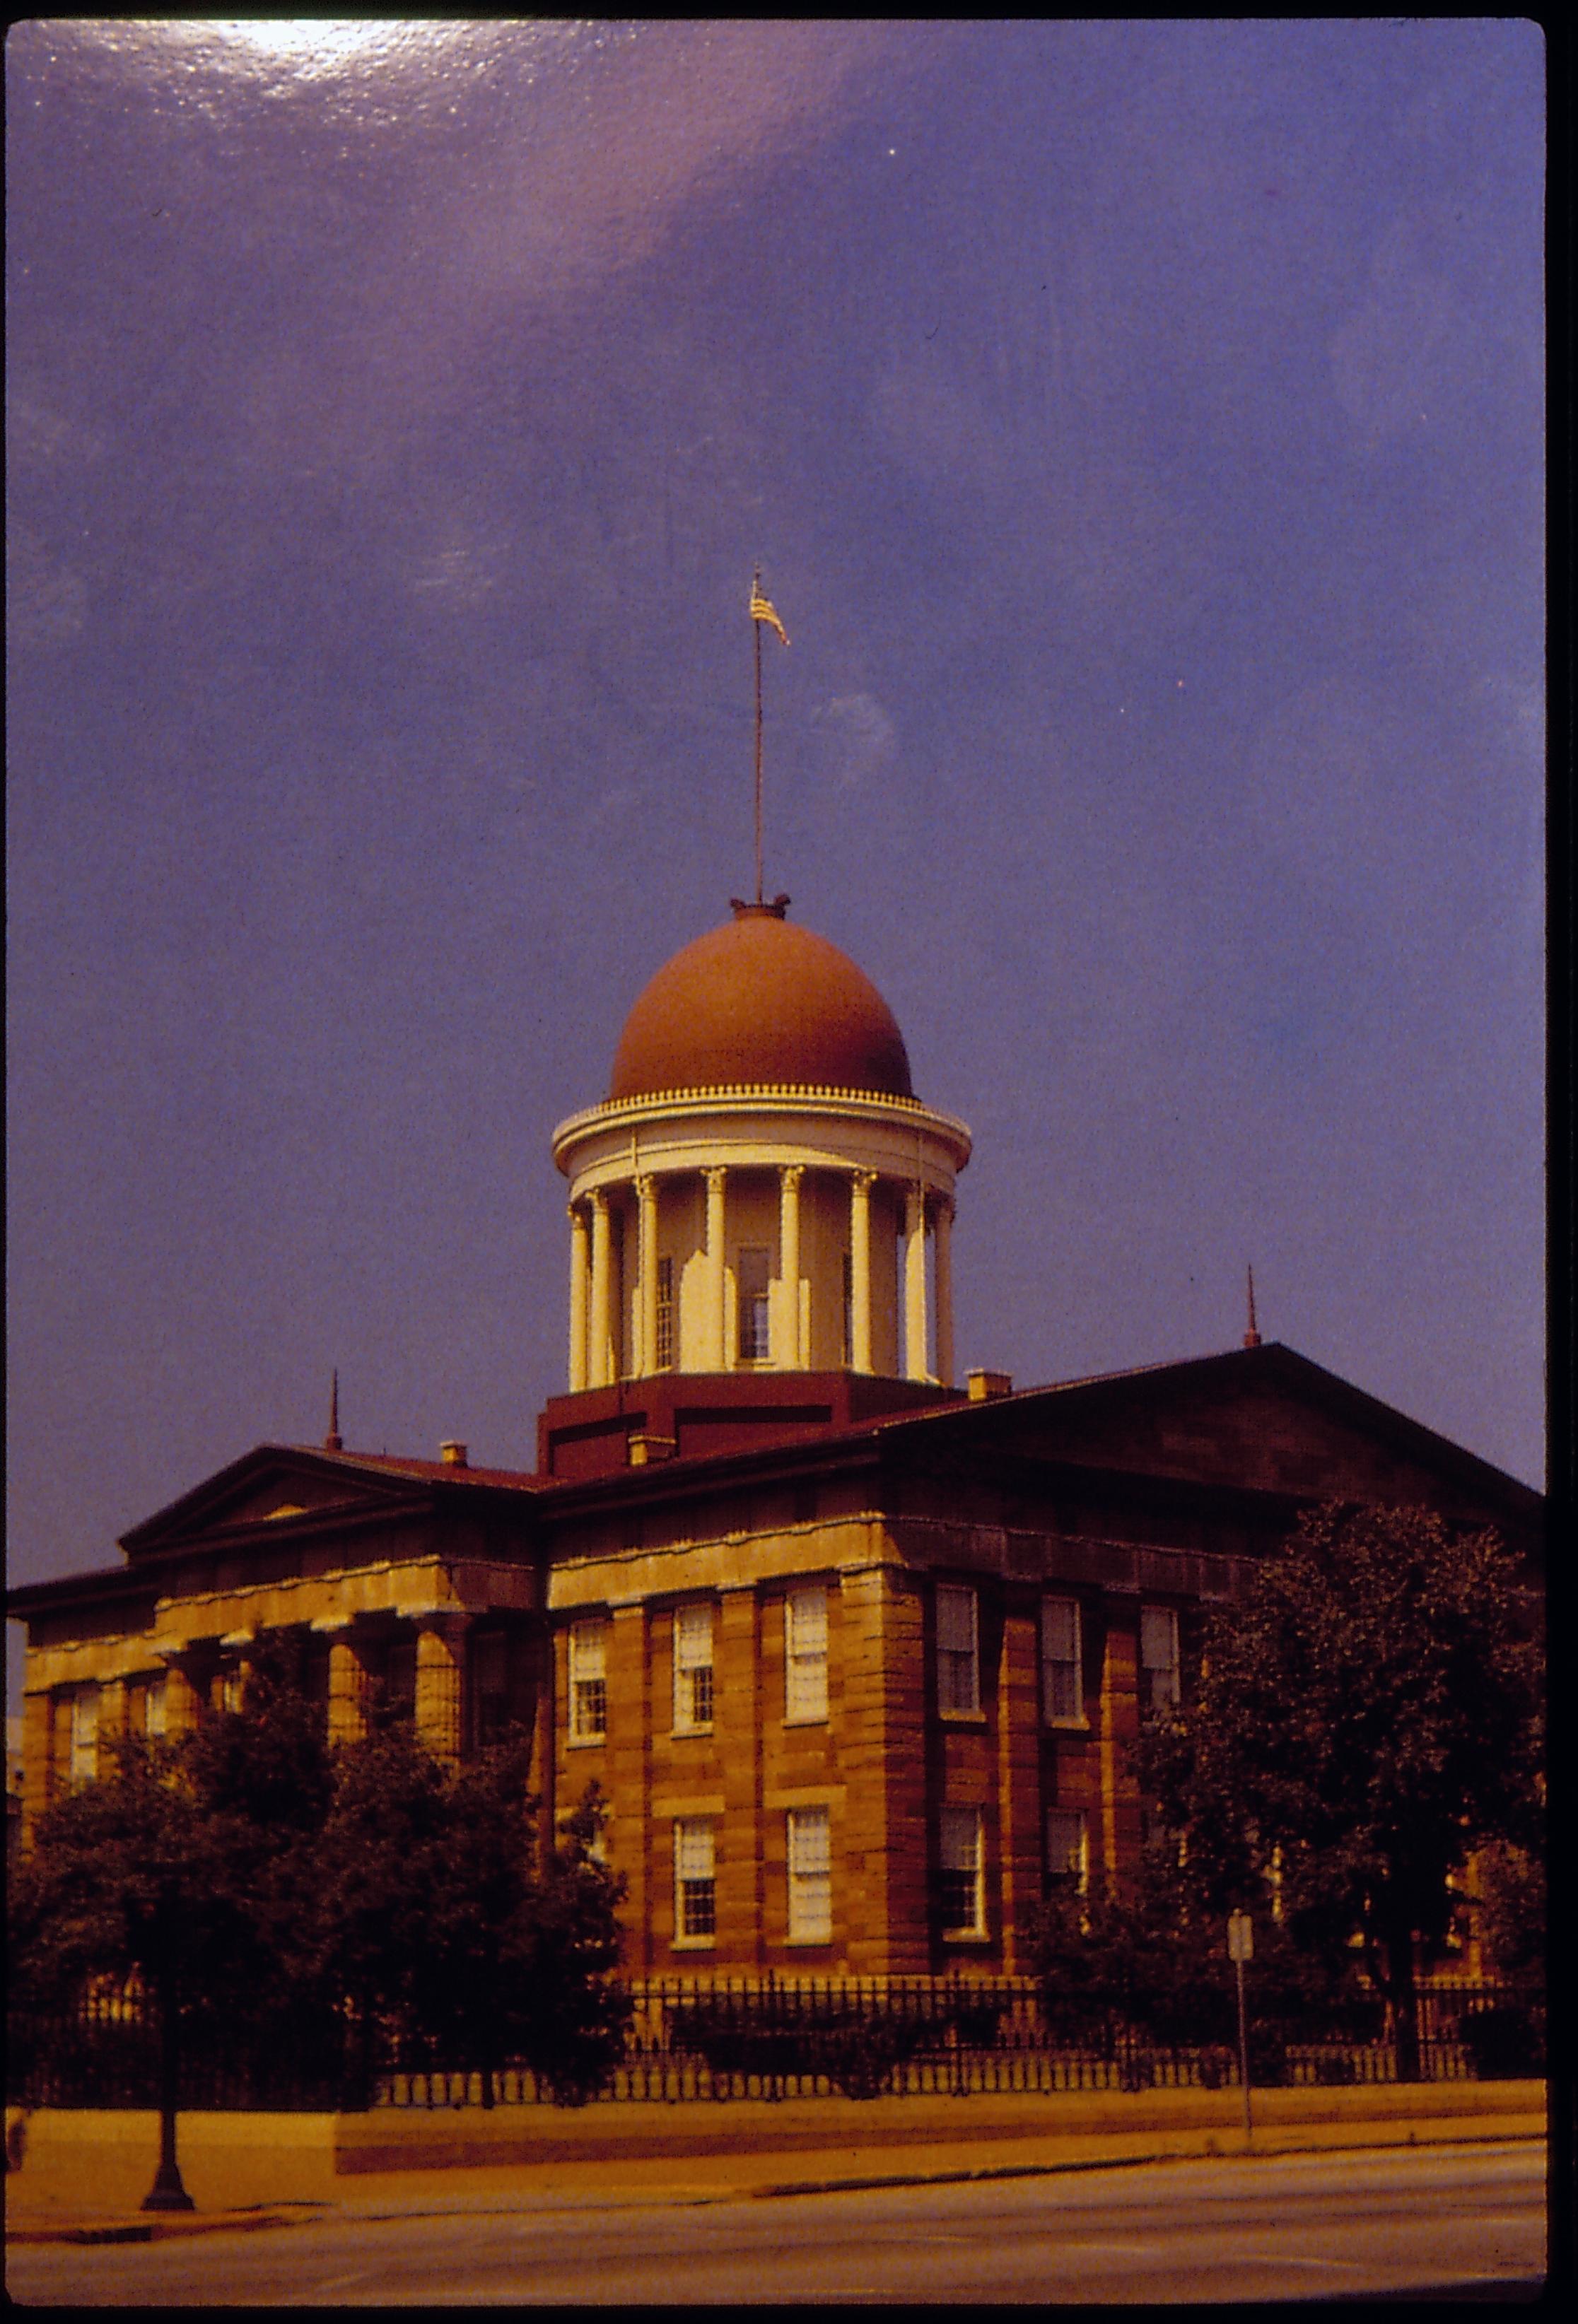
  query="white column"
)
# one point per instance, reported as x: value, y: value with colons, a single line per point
x: 646, y: 1354
x: 600, y: 1367
x: 580, y: 1265
x: 787, y: 1354
x: 915, y: 1317
x: 714, y: 1318
x: 943, y: 1229
x: 859, y: 1269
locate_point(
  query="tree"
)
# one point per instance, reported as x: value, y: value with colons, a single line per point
x: 183, y: 1873
x: 1148, y: 1963
x: 1510, y: 1909
x: 282, y: 1896
x: 1361, y: 1721
x: 187, y: 1858
x: 445, y: 1933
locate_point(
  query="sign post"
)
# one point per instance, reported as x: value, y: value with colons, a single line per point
x: 1240, y: 1947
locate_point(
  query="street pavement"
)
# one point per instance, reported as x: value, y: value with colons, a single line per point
x: 1433, y: 2220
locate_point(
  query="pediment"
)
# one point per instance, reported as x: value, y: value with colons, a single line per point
x: 271, y: 1487
x: 1268, y: 1419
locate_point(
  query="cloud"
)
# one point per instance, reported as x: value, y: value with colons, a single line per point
x: 46, y: 602
x: 860, y: 737
x: 609, y: 137
x: 460, y: 570
x: 39, y: 436
x: 1406, y: 348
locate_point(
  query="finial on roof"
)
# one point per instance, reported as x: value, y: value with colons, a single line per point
x: 1251, y: 1336
x: 331, y: 1442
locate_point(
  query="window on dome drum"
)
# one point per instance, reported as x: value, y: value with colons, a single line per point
x: 588, y: 1682
x: 848, y: 1309
x: 695, y: 1912
x: 616, y: 1287
x: 810, y: 1876
x: 663, y: 1354
x: 1068, y: 1851
x: 753, y: 1275
x: 693, y: 1669
x: 1062, y: 1691
x: 804, y: 1655
x: 958, y: 1667
x: 1158, y: 1657
x: 960, y: 1888
x: 84, y: 1737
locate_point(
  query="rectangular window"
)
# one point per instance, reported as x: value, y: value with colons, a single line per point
x: 696, y: 1909
x: 753, y: 1275
x: 810, y: 1876
x: 155, y: 1700
x: 83, y: 1736
x: 960, y: 1883
x: 693, y: 1689
x: 400, y: 1679
x: 805, y: 1655
x: 1067, y: 1851
x: 588, y: 1680
x: 664, y: 1351
x: 1158, y: 1657
x: 1062, y: 1687
x: 490, y: 1686
x: 230, y: 1688
x: 958, y: 1673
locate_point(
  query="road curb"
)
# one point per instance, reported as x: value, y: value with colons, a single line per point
x: 1212, y: 2153
x: 158, y: 2230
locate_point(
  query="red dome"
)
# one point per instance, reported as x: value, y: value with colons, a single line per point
x: 761, y: 1000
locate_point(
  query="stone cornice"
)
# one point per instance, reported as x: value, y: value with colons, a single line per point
x: 737, y: 1098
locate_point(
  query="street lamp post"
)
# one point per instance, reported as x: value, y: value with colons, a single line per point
x: 1240, y: 1947
x: 168, y: 2192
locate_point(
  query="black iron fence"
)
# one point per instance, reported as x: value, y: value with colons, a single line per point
x: 772, y: 2038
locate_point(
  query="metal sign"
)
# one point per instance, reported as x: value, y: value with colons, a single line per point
x: 1240, y: 1938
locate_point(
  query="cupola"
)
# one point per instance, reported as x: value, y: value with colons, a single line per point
x: 760, y: 1190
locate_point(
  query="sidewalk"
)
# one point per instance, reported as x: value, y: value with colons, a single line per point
x: 84, y: 2175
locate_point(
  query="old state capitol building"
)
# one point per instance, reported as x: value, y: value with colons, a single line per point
x: 854, y: 1653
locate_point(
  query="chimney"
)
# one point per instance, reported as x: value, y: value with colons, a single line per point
x: 645, y: 1447
x: 452, y: 1453
x: 985, y: 1387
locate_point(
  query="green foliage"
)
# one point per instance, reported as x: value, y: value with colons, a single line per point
x: 857, y: 2045
x: 1362, y: 1721
x: 1149, y: 1963
x: 1510, y: 1913
x: 186, y: 1865
x: 309, y: 1895
x: 1507, y: 2041
x: 442, y: 1931
x: 119, y: 1881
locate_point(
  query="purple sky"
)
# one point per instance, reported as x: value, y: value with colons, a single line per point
x: 1138, y: 426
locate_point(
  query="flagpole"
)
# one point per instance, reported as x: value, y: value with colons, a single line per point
x: 756, y: 633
